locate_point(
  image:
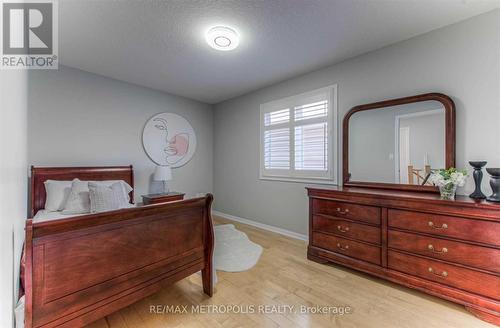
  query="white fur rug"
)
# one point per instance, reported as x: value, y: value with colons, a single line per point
x: 234, y: 252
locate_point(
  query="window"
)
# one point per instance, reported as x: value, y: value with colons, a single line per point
x: 298, y: 137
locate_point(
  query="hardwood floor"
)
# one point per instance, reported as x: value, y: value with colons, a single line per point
x: 284, y: 276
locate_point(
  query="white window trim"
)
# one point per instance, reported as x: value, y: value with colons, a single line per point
x: 333, y: 137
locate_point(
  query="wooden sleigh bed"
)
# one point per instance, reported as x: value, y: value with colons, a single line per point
x: 80, y: 269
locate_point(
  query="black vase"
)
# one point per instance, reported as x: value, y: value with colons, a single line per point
x: 478, y: 177
x: 495, y: 184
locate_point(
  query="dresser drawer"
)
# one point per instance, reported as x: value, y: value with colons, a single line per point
x: 475, y: 256
x: 441, y: 225
x: 363, y: 213
x: 346, y: 228
x: 347, y: 247
x: 446, y: 274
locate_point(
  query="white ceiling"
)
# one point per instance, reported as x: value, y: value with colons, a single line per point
x: 160, y: 44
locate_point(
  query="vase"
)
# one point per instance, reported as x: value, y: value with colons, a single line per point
x: 495, y: 184
x: 448, y: 191
x: 478, y: 176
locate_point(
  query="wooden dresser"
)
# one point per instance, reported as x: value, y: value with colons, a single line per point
x: 450, y: 249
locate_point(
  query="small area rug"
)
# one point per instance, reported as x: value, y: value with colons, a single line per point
x: 234, y: 252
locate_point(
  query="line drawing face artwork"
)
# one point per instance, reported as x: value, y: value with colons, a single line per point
x: 169, y: 140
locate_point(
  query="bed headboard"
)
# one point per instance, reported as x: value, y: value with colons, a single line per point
x: 41, y: 174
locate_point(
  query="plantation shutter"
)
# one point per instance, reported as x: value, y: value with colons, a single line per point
x: 277, y: 140
x: 296, y: 139
x: 311, y: 140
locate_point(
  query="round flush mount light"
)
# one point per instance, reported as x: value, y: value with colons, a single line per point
x: 222, y: 38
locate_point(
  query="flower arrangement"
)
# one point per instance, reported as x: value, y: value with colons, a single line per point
x: 448, y: 180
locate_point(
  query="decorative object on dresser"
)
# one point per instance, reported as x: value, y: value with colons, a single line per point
x: 162, y: 198
x: 110, y: 259
x: 450, y: 249
x: 478, y: 177
x: 164, y: 174
x: 169, y: 139
x: 494, y: 183
x: 383, y: 141
x: 448, y: 180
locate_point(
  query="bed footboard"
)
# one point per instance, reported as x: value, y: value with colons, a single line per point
x: 81, y: 269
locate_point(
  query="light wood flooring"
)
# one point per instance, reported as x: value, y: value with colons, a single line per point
x: 284, y: 276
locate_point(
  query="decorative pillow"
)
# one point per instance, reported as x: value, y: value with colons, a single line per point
x: 104, y: 198
x: 78, y: 200
x: 126, y: 187
x: 57, y: 193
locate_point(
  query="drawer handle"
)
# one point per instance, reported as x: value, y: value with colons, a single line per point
x: 443, y: 274
x: 433, y: 226
x: 432, y: 249
x: 342, y: 248
x: 339, y: 210
x: 341, y: 229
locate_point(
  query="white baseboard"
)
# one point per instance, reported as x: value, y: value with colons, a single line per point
x: 263, y: 226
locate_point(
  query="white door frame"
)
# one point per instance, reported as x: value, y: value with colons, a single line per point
x: 406, y: 150
x: 396, y: 136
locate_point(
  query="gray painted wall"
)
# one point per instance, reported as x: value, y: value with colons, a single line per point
x: 460, y: 60
x: 79, y: 118
x: 13, y: 186
x: 371, y: 140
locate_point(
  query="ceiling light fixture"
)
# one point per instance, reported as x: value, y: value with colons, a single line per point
x: 222, y: 38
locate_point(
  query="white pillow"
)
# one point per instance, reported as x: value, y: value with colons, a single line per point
x: 107, y: 198
x: 19, y: 312
x: 78, y: 200
x: 57, y: 193
x: 126, y: 187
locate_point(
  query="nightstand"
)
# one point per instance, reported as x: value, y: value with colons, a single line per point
x: 162, y: 198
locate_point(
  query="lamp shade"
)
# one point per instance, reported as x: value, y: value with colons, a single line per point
x: 163, y: 173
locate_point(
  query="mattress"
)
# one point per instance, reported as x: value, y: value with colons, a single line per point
x: 44, y: 215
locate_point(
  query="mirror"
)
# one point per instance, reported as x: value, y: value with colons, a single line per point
x: 399, y: 142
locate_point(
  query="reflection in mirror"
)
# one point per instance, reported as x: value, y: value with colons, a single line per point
x: 397, y: 144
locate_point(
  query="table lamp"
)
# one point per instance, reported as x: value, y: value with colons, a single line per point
x: 163, y: 173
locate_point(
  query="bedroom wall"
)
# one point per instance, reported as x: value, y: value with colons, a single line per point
x: 13, y: 186
x: 460, y: 60
x: 79, y: 118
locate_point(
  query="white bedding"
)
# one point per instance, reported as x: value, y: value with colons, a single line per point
x: 45, y: 215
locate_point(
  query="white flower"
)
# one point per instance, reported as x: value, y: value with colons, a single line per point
x: 437, y: 179
x: 456, y: 178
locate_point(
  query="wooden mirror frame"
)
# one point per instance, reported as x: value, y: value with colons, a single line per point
x: 449, y: 107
